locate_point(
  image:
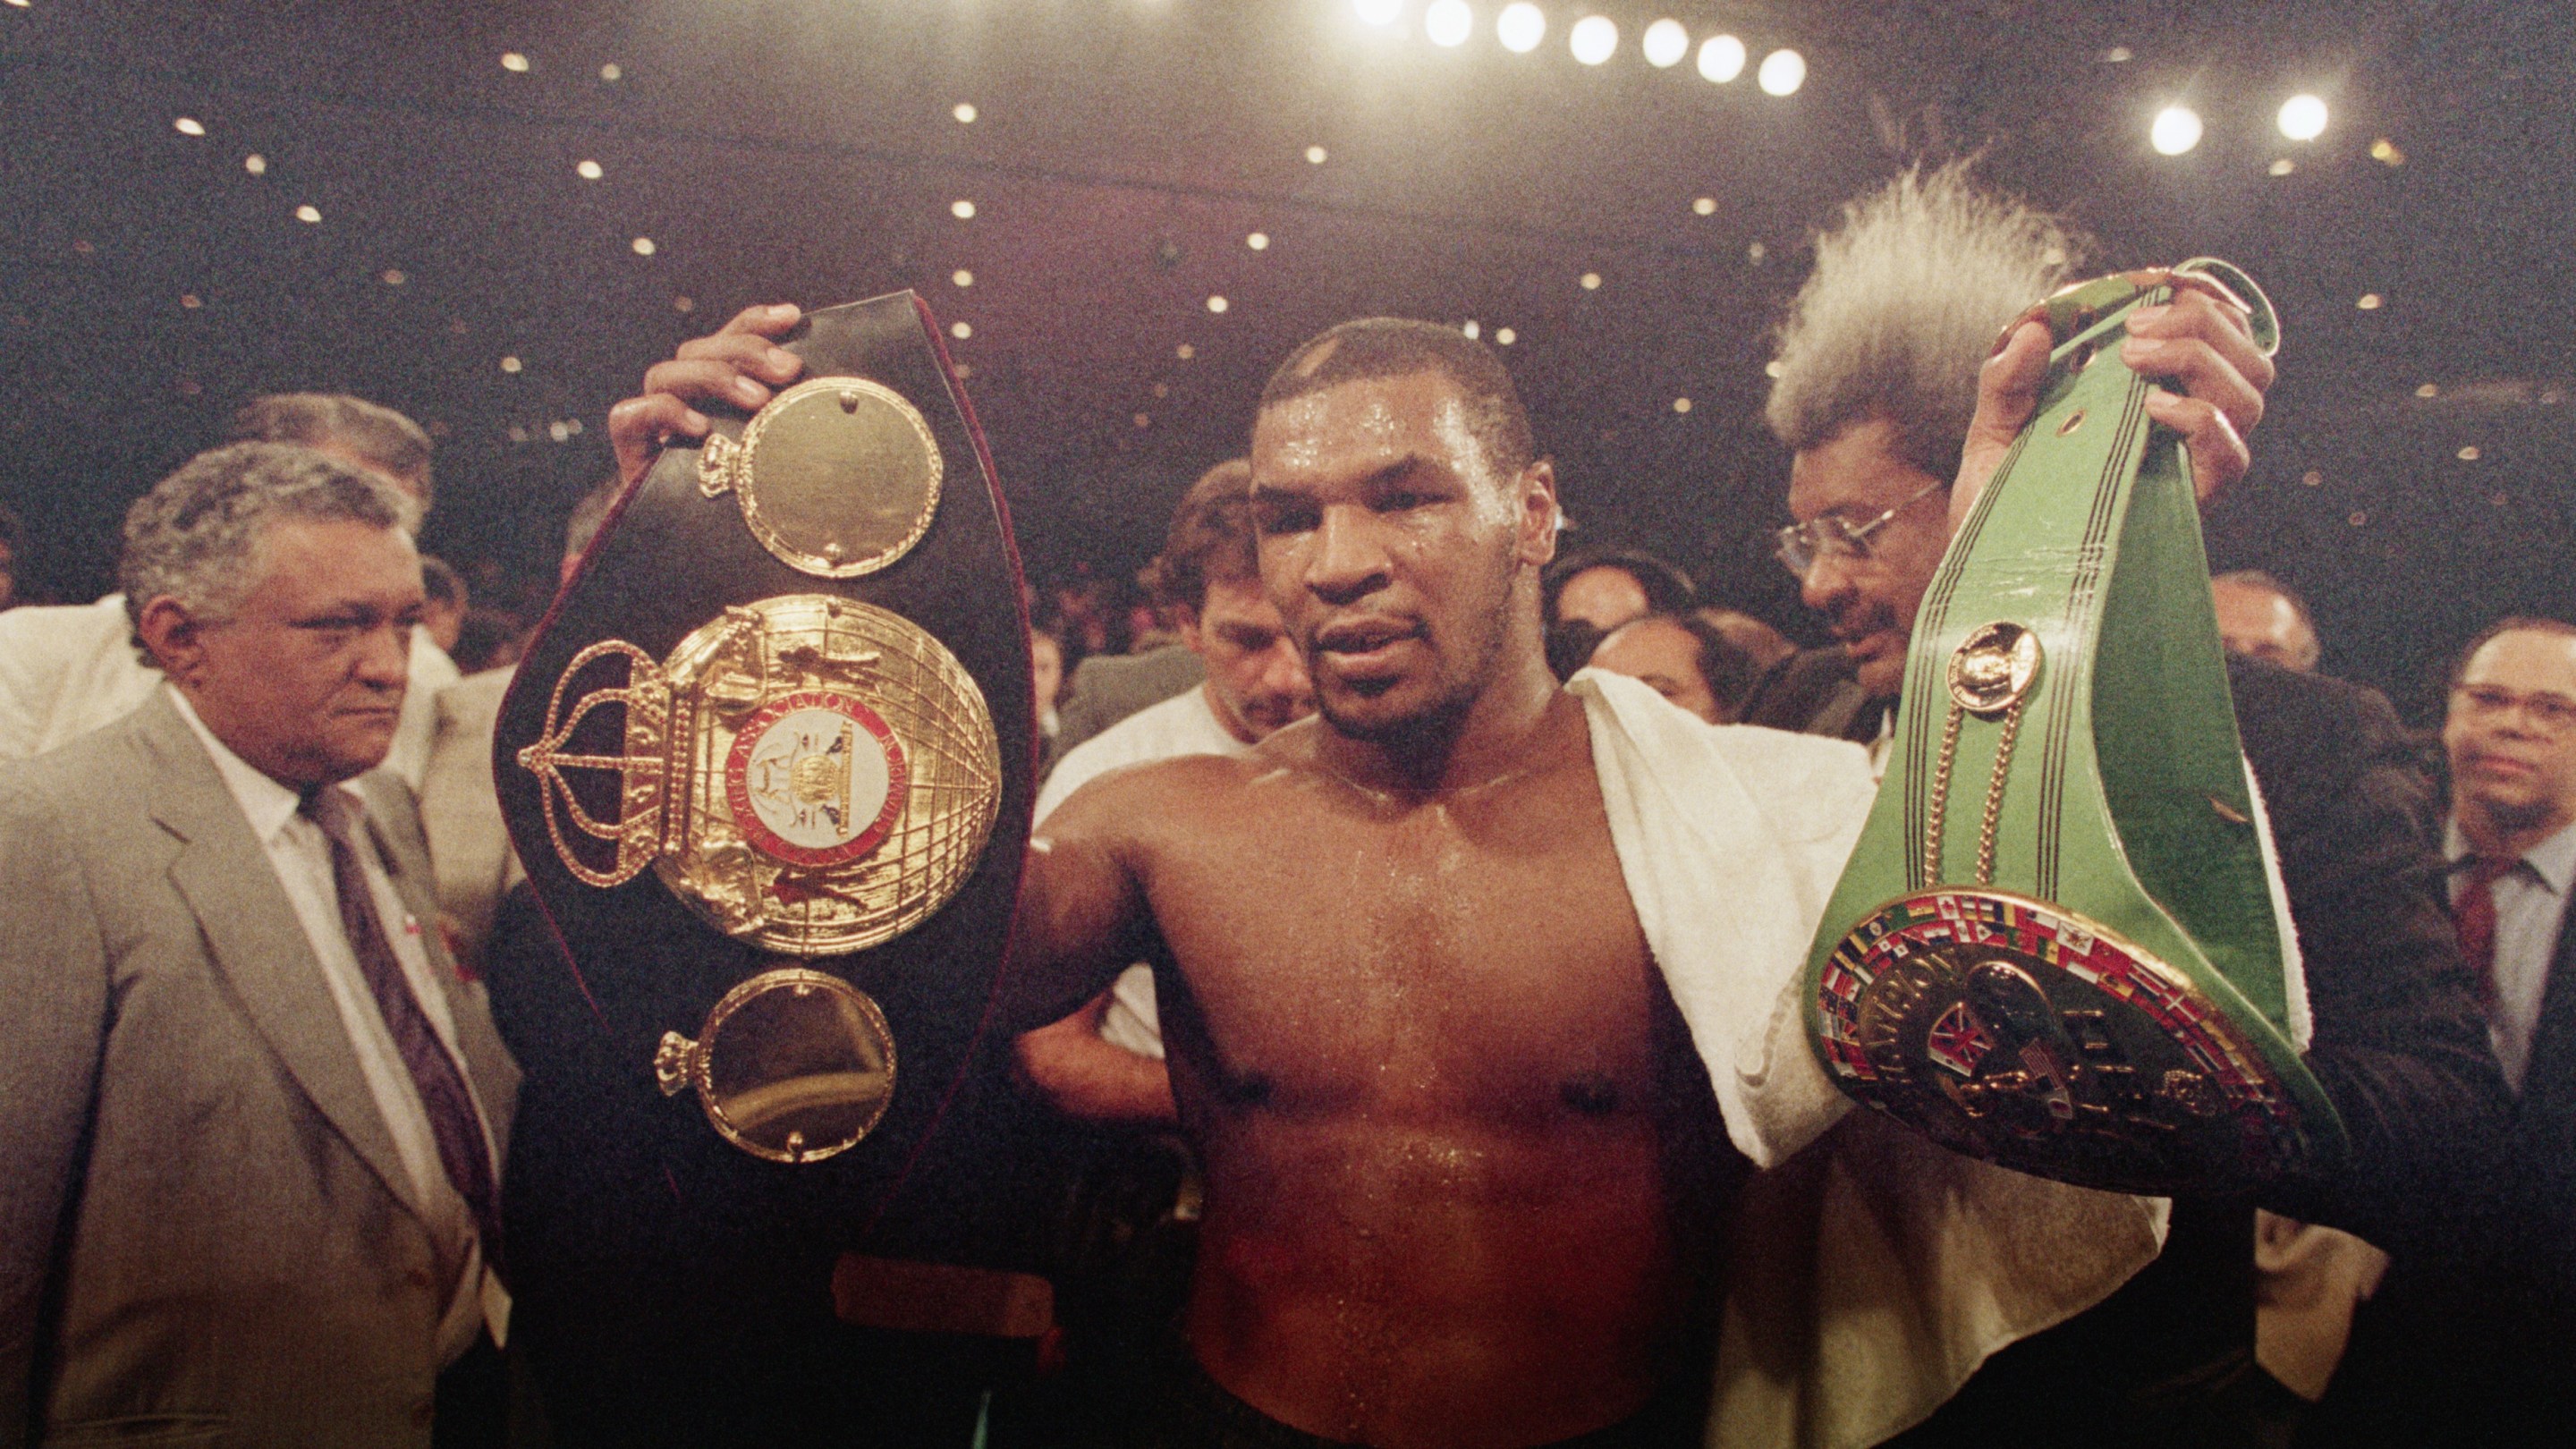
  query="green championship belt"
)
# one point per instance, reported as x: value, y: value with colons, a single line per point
x: 2056, y: 947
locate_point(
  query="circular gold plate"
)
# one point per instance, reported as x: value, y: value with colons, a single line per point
x: 792, y: 1066
x: 837, y: 476
x: 1994, y: 667
x: 839, y: 774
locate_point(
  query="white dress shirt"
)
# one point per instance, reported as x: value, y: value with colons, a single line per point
x: 301, y: 855
x: 2531, y: 904
x: 71, y: 668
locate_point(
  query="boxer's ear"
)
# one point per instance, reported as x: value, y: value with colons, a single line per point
x: 1536, y: 513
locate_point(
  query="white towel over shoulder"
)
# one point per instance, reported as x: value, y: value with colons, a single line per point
x: 1871, y: 1271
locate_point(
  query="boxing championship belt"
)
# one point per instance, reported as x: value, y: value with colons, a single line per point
x: 770, y: 758
x: 2057, y: 946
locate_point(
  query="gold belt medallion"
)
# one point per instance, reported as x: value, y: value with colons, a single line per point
x: 790, y: 472
x: 811, y: 774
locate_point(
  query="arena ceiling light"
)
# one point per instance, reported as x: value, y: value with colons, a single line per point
x: 1449, y: 22
x: 2175, y: 131
x: 2303, y: 118
x: 1520, y: 27
x: 1782, y: 72
x: 1667, y: 41
x: 1379, y: 12
x: 1721, y: 58
x: 1594, y: 39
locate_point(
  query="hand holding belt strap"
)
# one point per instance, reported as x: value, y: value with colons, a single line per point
x: 2055, y: 947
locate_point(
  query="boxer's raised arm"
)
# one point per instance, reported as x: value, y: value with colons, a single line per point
x: 1082, y: 912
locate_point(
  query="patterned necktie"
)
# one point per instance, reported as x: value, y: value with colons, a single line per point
x: 443, y: 1095
x: 2473, y: 912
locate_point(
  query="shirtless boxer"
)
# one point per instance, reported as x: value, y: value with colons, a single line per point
x: 1462, y: 1163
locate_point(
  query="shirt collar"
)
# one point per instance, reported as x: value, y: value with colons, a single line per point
x: 2553, y: 860
x: 269, y: 805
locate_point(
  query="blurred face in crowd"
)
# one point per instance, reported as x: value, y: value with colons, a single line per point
x: 1255, y: 678
x: 1604, y: 597
x: 1046, y: 669
x: 1870, y: 595
x: 1666, y: 656
x: 2260, y: 624
x: 304, y: 680
x: 443, y: 621
x: 1393, y: 549
x: 2511, y: 736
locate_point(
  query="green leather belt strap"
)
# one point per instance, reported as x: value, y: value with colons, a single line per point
x: 2055, y: 947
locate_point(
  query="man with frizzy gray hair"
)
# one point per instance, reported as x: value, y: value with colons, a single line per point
x: 69, y: 669
x: 248, y: 1166
x: 1879, y: 371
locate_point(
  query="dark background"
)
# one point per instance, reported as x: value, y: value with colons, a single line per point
x: 806, y: 150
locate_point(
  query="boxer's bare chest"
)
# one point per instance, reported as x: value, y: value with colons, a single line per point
x: 1408, y: 955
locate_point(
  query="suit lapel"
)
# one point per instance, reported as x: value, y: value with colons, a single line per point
x: 257, y: 941
x: 2549, y: 1082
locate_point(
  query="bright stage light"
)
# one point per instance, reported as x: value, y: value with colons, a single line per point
x: 189, y: 126
x: 1259, y: 241
x: 255, y: 164
x: 1316, y: 155
x: 2176, y: 130
x: 1721, y: 58
x: 1595, y: 38
x: 2303, y: 118
x: 1378, y: 12
x: 1666, y: 43
x: 588, y: 170
x: 1216, y: 304
x: 309, y: 214
x: 962, y: 209
x: 965, y: 113
x: 1783, y: 71
x: 1448, y: 22
x: 643, y: 246
x: 1521, y: 27
x: 962, y: 277
x: 1704, y: 206
x: 961, y: 330
x: 514, y: 62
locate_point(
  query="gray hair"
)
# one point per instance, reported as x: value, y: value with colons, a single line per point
x: 197, y: 536
x: 1905, y: 302
x: 393, y: 443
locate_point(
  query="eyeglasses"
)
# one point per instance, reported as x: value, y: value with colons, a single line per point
x: 2551, y: 714
x: 1801, y: 545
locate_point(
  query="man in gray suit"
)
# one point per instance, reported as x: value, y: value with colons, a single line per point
x: 251, y: 1135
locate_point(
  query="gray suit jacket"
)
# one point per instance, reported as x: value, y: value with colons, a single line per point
x: 1109, y: 687
x: 469, y: 846
x: 206, y: 1236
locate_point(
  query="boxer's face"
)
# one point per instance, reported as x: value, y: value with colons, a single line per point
x: 1391, y: 548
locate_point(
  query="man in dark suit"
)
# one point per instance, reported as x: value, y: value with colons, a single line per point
x: 252, y: 1133
x: 2473, y: 1340
x: 1878, y: 380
